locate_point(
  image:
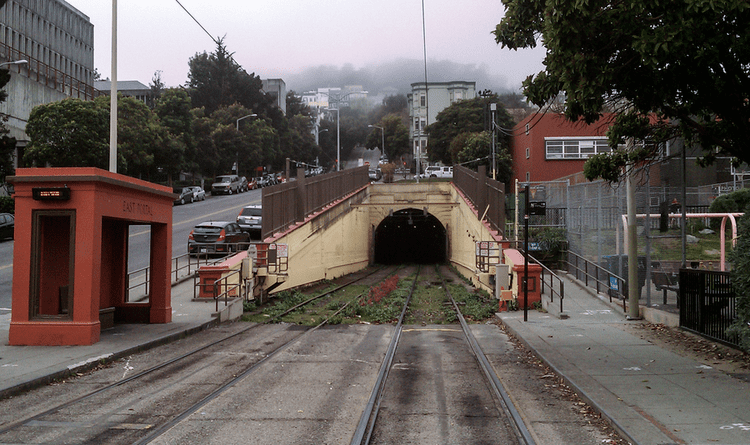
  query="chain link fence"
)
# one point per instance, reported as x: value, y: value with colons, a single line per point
x: 592, y: 216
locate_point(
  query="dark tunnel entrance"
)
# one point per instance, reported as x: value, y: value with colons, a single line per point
x: 410, y: 236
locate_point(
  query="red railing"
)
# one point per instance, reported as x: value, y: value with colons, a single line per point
x: 291, y: 202
x: 47, y: 75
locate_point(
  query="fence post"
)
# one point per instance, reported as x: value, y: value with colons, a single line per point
x: 301, y: 195
x: 586, y: 271
x: 562, y: 294
x: 481, y: 190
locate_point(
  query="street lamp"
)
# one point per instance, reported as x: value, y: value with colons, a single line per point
x: 15, y: 62
x: 237, y: 155
x: 382, y: 138
x: 243, y: 117
x: 317, y: 134
x: 338, y: 128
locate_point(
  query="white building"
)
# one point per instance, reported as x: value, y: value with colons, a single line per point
x: 276, y: 88
x: 425, y: 102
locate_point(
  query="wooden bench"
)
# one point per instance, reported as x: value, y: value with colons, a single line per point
x: 665, y: 281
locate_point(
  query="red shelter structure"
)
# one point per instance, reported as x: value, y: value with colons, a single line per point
x: 70, y: 254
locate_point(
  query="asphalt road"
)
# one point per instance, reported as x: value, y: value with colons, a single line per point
x: 184, y: 218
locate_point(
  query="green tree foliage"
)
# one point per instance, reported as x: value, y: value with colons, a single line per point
x: 178, y: 153
x: 396, y: 136
x: 353, y: 128
x: 68, y: 133
x: 301, y: 141
x: 396, y: 105
x: 139, y: 135
x: 468, y: 147
x: 468, y: 116
x: 216, y: 80
x: 295, y: 106
x: 740, y: 258
x: 684, y: 63
x: 7, y: 143
x: 734, y: 202
x: 206, y: 155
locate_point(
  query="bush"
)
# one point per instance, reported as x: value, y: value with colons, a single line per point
x: 733, y: 202
x: 7, y: 205
x: 740, y: 258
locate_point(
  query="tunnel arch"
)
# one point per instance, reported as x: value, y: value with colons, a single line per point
x: 410, y: 236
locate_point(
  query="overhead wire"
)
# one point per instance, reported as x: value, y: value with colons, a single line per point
x: 196, y: 21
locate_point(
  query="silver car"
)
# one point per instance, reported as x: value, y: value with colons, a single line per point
x: 250, y: 219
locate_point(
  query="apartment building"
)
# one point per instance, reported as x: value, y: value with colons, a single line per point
x: 425, y: 101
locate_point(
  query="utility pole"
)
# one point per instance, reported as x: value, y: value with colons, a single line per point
x: 633, y: 288
x: 113, y: 96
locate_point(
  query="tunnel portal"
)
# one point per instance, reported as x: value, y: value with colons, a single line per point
x: 410, y: 236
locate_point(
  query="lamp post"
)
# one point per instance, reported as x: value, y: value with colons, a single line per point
x: 237, y: 161
x: 15, y: 62
x: 317, y: 134
x: 382, y: 137
x: 338, y: 128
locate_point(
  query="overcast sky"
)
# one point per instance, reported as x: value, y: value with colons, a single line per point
x: 282, y: 38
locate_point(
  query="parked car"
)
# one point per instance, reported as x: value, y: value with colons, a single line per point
x: 226, y: 184
x: 270, y: 179
x: 244, y: 185
x: 217, y: 237
x: 7, y: 225
x: 375, y: 174
x: 260, y: 181
x: 250, y: 219
x: 184, y: 195
x: 436, y: 171
x: 252, y: 183
x: 198, y: 193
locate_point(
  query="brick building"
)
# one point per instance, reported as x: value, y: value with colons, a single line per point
x: 546, y: 146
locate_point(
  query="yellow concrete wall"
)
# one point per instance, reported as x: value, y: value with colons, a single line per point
x: 329, y: 245
x: 466, y: 231
x: 339, y: 240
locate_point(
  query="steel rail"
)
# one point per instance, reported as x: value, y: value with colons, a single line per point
x: 370, y: 414
x: 163, y: 428
x: 15, y: 424
x: 497, y: 386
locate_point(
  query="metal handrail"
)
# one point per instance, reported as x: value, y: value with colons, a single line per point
x: 598, y: 271
x: 552, y: 277
x: 181, y: 263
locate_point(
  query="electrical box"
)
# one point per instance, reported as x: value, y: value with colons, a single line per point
x: 502, y: 278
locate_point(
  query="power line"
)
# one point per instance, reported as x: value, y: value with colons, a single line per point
x: 196, y: 21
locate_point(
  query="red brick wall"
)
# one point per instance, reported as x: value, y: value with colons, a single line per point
x: 548, y: 125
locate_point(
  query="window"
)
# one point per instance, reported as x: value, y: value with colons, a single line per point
x: 575, y: 148
x: 528, y: 177
x: 422, y: 100
x: 528, y: 152
x: 527, y: 129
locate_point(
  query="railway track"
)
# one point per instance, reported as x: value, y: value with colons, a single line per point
x: 117, y: 413
x: 506, y: 427
x: 287, y: 383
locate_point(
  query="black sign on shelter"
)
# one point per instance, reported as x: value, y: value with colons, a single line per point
x: 537, y: 208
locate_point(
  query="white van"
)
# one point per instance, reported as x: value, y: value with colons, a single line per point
x: 436, y: 171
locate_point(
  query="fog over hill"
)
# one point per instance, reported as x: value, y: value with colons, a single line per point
x: 397, y: 75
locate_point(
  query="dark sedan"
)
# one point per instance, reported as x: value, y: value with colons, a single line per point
x: 217, y: 237
x: 184, y: 195
x: 7, y: 225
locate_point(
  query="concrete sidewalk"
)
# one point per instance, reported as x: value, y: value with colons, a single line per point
x: 651, y: 395
x: 24, y: 367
